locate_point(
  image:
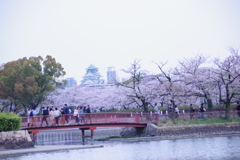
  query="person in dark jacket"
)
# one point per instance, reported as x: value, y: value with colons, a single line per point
x: 238, y: 109
x: 202, y: 110
x: 88, y: 115
x: 191, y: 110
x: 45, y: 114
x: 66, y: 112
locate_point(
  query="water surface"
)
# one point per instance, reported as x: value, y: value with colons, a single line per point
x: 218, y: 148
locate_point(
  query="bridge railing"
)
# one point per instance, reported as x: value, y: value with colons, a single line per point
x: 112, y: 117
x: 96, y: 118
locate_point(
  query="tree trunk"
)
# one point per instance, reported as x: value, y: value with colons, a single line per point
x: 210, y: 105
x: 227, y: 110
x: 145, y: 106
x: 3, y: 108
x: 173, y: 112
x: 10, y: 108
x: 15, y: 108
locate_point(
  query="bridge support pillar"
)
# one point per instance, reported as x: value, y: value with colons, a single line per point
x: 83, y: 134
x: 34, y: 133
x: 92, y: 131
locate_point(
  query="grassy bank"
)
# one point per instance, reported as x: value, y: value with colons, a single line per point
x: 180, y: 121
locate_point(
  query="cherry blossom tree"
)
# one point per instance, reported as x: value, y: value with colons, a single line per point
x: 99, y: 98
x: 139, y: 85
x: 228, y: 74
x: 191, y: 81
x: 171, y: 87
x: 197, y: 77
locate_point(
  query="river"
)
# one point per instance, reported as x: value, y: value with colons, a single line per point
x: 217, y: 148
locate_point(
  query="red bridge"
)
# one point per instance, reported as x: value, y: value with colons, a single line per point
x: 87, y: 121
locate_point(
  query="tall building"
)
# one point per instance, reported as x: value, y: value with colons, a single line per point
x: 70, y: 82
x: 92, y: 77
x: 111, y: 75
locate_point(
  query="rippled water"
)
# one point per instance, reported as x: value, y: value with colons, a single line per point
x: 218, y: 148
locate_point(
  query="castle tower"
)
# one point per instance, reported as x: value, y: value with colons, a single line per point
x: 92, y: 77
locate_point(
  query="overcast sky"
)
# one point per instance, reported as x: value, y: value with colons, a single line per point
x: 110, y: 33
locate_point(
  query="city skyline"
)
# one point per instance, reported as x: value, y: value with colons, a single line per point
x: 115, y: 33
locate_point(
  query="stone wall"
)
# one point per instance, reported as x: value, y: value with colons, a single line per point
x: 15, y: 140
x: 201, y: 130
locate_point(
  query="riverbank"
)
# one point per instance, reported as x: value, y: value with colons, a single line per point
x: 48, y: 148
x: 158, y: 138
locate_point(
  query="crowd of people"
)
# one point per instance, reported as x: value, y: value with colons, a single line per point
x: 192, y: 111
x: 56, y: 117
x: 200, y: 110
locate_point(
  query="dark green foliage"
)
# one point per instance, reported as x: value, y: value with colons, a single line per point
x: 27, y: 82
x: 9, y: 122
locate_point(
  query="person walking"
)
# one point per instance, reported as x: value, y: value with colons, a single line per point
x: 176, y: 112
x: 56, y: 116
x: 238, y: 109
x: 51, y: 115
x: 33, y: 118
x: 88, y: 115
x: 155, y: 109
x: 202, y: 110
x: 170, y: 111
x: 62, y: 119
x: 66, y: 112
x: 75, y: 114
x: 191, y: 111
x: 81, y: 115
x: 45, y: 114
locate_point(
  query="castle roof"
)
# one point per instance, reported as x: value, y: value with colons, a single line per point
x: 91, y: 67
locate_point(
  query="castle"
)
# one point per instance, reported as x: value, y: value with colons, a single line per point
x: 92, y: 77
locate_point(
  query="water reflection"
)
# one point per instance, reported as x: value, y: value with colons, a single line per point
x: 74, y: 136
x: 219, y: 148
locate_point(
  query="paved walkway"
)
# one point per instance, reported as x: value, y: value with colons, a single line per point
x: 45, y: 148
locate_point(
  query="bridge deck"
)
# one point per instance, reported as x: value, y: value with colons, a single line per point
x: 84, y: 126
x: 104, y: 119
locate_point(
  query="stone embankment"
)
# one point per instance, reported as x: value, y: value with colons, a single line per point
x: 185, y: 131
x: 15, y: 140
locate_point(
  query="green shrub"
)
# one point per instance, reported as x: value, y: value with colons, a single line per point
x: 9, y: 122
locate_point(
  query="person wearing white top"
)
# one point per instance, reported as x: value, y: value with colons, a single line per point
x: 155, y: 108
x: 176, y: 111
x: 75, y: 114
x: 56, y: 115
x: 51, y: 114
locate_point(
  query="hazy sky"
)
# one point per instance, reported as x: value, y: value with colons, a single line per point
x: 115, y: 32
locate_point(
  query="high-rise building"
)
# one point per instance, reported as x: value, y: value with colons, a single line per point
x: 111, y: 75
x: 70, y: 82
x: 92, y: 77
